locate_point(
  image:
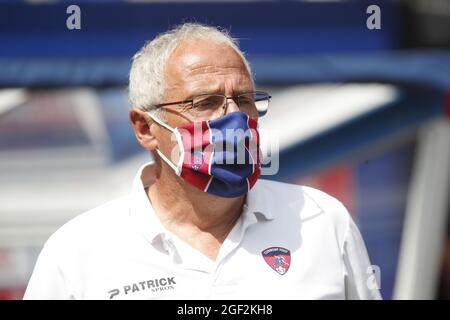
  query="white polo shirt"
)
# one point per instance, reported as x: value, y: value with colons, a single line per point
x: 291, y: 242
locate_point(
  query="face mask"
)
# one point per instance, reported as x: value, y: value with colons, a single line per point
x: 219, y: 156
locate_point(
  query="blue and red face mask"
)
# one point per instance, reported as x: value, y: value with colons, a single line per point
x: 219, y: 156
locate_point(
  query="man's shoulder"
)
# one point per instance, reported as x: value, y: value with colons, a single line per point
x: 103, y: 219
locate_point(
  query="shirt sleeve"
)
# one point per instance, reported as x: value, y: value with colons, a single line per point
x: 47, y: 280
x: 361, y: 278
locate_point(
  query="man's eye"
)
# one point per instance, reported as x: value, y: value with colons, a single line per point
x: 248, y: 101
x: 203, y: 105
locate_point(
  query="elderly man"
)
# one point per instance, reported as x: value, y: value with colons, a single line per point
x: 198, y: 224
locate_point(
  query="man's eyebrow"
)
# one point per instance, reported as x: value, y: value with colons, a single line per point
x: 217, y: 90
x: 241, y: 91
x: 190, y: 94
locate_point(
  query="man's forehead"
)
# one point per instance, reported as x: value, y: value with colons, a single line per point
x: 197, y: 51
x: 203, y: 66
x: 218, y: 84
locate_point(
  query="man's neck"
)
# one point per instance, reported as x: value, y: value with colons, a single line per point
x: 193, y: 215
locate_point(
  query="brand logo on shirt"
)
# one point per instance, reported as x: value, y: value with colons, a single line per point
x: 279, y: 259
x: 154, y: 286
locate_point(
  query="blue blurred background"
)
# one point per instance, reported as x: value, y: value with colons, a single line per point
x: 361, y: 113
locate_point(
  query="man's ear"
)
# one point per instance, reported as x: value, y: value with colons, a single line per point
x: 142, y: 125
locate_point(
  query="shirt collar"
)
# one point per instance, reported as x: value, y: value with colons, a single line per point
x: 257, y: 203
x: 267, y: 200
x: 144, y: 216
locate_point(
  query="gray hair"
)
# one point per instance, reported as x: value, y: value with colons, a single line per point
x: 146, y: 86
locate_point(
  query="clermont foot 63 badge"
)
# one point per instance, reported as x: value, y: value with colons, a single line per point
x: 277, y: 258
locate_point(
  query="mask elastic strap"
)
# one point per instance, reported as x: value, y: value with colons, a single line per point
x: 176, y: 168
x: 166, y: 160
x: 160, y: 122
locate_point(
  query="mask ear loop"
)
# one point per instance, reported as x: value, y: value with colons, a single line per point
x: 160, y: 122
x: 177, y: 168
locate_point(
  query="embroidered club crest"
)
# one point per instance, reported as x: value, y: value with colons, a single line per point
x: 279, y: 259
x: 197, y: 160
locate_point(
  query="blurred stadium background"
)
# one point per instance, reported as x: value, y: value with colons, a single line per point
x: 362, y: 114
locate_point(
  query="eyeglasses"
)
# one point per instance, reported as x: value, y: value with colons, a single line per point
x: 211, y: 106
